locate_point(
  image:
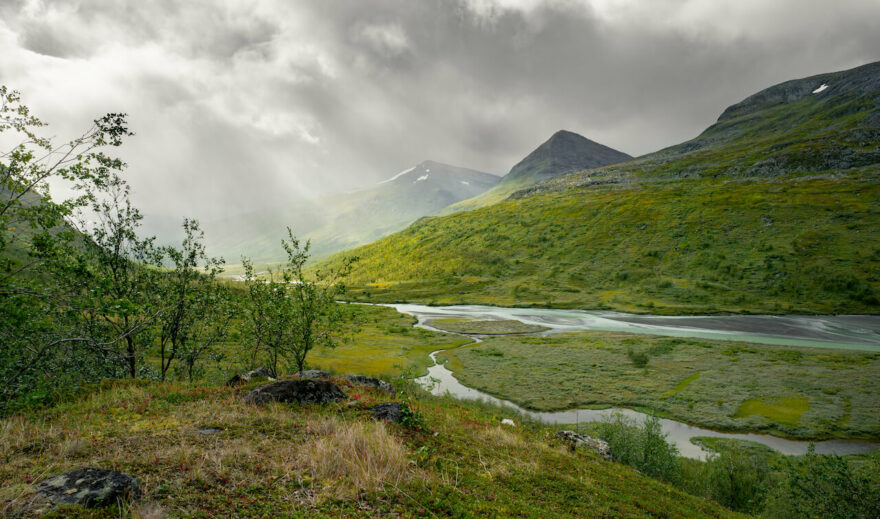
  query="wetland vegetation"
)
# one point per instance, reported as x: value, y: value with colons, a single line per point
x: 789, y: 391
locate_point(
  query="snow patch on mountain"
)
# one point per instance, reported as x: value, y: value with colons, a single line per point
x: 423, y: 177
x: 395, y: 177
x: 821, y: 88
x: 465, y: 182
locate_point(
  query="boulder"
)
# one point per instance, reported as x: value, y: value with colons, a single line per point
x: 371, y: 381
x: 296, y: 390
x: 313, y: 373
x: 575, y: 440
x: 242, y: 378
x: 389, y: 411
x: 89, y: 487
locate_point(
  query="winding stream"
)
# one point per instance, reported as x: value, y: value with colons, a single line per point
x: 842, y: 332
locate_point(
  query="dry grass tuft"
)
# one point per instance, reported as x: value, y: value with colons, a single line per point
x: 358, y: 455
x: 504, y: 436
x: 147, y: 511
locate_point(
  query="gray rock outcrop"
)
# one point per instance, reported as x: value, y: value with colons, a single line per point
x: 575, y: 440
x: 296, y: 390
x: 370, y: 381
x: 389, y: 411
x: 255, y: 374
x: 89, y: 487
x: 313, y: 373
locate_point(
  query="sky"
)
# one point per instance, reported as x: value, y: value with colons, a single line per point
x: 240, y: 106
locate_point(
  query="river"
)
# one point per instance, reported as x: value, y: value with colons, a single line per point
x: 841, y: 332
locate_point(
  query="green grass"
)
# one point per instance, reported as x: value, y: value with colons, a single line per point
x: 275, y: 460
x: 386, y: 345
x: 716, y: 384
x: 485, y: 327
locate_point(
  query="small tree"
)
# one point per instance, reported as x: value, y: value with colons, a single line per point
x: 291, y: 313
x: 216, y: 306
x: 188, y: 327
x: 643, y: 447
x: 120, y: 287
x: 43, y: 347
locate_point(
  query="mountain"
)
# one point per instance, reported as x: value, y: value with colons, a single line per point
x: 369, y: 214
x: 564, y: 152
x: 775, y: 208
x: 339, y: 221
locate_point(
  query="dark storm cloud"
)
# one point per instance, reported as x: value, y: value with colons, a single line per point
x: 241, y: 105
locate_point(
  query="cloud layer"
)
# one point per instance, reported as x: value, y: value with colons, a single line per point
x: 242, y: 105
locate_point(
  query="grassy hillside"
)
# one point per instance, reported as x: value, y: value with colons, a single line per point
x: 330, y: 461
x: 796, y: 245
x: 776, y: 208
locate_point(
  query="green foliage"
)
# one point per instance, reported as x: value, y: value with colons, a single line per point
x: 410, y: 417
x: 290, y: 313
x: 639, y: 358
x: 738, y: 478
x: 46, y: 352
x: 200, y: 310
x: 643, y: 447
x: 827, y: 487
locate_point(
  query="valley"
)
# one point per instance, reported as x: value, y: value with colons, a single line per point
x: 693, y: 332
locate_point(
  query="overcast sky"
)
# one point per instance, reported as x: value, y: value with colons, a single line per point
x: 245, y: 104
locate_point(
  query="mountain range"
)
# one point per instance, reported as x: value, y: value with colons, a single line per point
x: 773, y: 208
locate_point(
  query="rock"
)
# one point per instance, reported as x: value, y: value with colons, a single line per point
x: 508, y: 421
x: 89, y: 487
x: 582, y: 440
x: 296, y: 390
x: 250, y: 375
x: 313, y: 373
x: 389, y: 411
x: 371, y: 381
x: 208, y: 430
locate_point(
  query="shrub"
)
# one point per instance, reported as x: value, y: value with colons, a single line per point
x: 639, y: 358
x: 738, y: 478
x: 643, y: 447
x: 827, y: 487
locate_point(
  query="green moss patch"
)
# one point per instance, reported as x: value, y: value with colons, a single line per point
x: 784, y: 410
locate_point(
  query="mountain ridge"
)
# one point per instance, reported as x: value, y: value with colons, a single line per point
x: 772, y: 209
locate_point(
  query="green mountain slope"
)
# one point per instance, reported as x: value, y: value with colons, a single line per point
x: 367, y: 215
x: 564, y: 152
x: 775, y: 208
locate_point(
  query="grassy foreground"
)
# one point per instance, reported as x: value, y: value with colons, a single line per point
x: 799, y: 392
x: 333, y: 461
